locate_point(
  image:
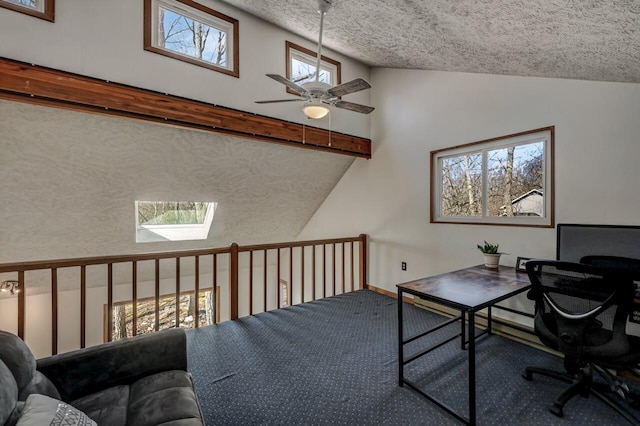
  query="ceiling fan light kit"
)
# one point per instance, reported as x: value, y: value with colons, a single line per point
x: 317, y: 95
x: 315, y: 109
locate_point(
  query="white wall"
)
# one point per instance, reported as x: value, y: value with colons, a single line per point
x: 103, y: 39
x: 597, y: 154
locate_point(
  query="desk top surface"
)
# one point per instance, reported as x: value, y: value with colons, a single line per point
x: 470, y: 288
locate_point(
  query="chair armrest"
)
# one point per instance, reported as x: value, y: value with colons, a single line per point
x: 90, y: 370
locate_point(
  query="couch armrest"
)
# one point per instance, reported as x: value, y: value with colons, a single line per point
x: 90, y: 370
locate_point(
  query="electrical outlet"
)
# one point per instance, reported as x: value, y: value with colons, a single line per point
x: 404, y: 266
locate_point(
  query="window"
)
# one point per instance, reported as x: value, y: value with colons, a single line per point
x: 43, y: 9
x: 502, y: 181
x: 301, y: 66
x: 190, y: 32
x: 173, y: 220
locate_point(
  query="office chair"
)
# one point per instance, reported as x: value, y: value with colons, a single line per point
x: 582, y: 310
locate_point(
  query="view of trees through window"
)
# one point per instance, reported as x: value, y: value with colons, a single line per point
x: 204, y: 312
x: 303, y: 71
x: 512, y: 172
x: 31, y: 4
x: 188, y: 36
x: 167, y: 213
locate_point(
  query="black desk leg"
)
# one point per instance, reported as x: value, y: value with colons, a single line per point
x: 489, y: 330
x: 463, y: 331
x: 472, y: 368
x: 400, y: 339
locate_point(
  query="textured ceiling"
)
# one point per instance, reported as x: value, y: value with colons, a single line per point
x: 579, y: 39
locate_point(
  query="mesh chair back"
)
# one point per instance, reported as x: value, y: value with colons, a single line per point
x: 581, y: 310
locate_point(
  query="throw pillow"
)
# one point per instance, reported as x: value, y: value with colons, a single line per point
x: 43, y: 410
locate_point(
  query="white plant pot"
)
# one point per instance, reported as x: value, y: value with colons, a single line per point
x: 492, y: 261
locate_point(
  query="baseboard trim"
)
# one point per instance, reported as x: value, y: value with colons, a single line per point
x: 389, y: 293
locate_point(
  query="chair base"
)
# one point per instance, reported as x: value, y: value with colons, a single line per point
x: 582, y: 384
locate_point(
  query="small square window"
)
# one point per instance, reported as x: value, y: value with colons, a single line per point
x: 502, y: 181
x: 190, y: 32
x: 173, y: 220
x: 302, y: 63
x: 43, y: 9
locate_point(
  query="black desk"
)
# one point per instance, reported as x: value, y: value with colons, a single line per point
x: 469, y: 290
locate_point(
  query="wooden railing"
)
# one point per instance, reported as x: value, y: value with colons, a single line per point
x: 311, y: 273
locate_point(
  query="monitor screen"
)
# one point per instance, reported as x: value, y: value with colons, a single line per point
x: 576, y: 241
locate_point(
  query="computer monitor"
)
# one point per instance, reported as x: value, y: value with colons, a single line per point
x: 576, y: 241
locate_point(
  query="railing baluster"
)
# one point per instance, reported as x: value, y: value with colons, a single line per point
x: 177, y: 292
x: 197, y: 292
x: 54, y: 311
x: 134, y: 296
x: 352, y: 275
x: 264, y: 281
x: 214, y: 288
x: 21, y: 305
x: 279, y: 286
x: 324, y: 271
x: 109, y: 302
x: 333, y: 262
x: 363, y: 261
x: 342, y: 283
x: 157, y: 295
x: 250, y: 283
x: 313, y: 271
x: 302, y: 273
x: 83, y: 306
x: 233, y: 281
x: 290, y: 289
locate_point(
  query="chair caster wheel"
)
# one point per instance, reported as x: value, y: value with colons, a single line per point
x: 556, y: 410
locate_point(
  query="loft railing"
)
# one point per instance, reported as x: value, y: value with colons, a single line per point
x: 254, y: 275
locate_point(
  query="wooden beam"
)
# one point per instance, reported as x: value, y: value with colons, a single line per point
x: 24, y: 82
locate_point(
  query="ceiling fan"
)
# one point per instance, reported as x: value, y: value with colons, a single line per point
x: 316, y: 94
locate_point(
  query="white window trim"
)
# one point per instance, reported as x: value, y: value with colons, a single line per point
x: 545, y: 135
x: 312, y: 61
x: 39, y: 5
x: 175, y: 232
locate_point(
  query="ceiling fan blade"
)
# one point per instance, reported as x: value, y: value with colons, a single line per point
x: 290, y: 84
x: 363, y: 109
x: 279, y: 100
x: 352, y: 86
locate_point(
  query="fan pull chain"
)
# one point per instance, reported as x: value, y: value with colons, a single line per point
x: 330, y: 129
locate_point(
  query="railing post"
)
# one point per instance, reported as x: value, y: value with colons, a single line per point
x: 233, y: 281
x: 363, y: 262
x: 21, y: 304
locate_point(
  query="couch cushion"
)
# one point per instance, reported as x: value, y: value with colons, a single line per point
x: 43, y: 410
x: 8, y: 393
x: 107, y: 407
x: 17, y: 356
x: 39, y: 384
x: 164, y: 398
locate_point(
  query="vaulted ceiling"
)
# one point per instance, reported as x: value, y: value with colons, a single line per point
x: 579, y: 39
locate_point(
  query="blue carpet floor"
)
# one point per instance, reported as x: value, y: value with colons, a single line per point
x: 334, y: 362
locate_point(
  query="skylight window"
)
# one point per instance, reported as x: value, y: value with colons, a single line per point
x: 173, y: 220
x: 39, y: 8
x: 190, y: 32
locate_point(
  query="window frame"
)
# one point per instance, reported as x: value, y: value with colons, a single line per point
x: 521, y: 138
x: 292, y: 48
x: 203, y: 228
x: 48, y: 12
x: 193, y: 10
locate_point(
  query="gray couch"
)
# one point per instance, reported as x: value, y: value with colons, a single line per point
x: 139, y: 381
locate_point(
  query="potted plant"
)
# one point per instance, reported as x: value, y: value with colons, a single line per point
x: 491, y: 254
